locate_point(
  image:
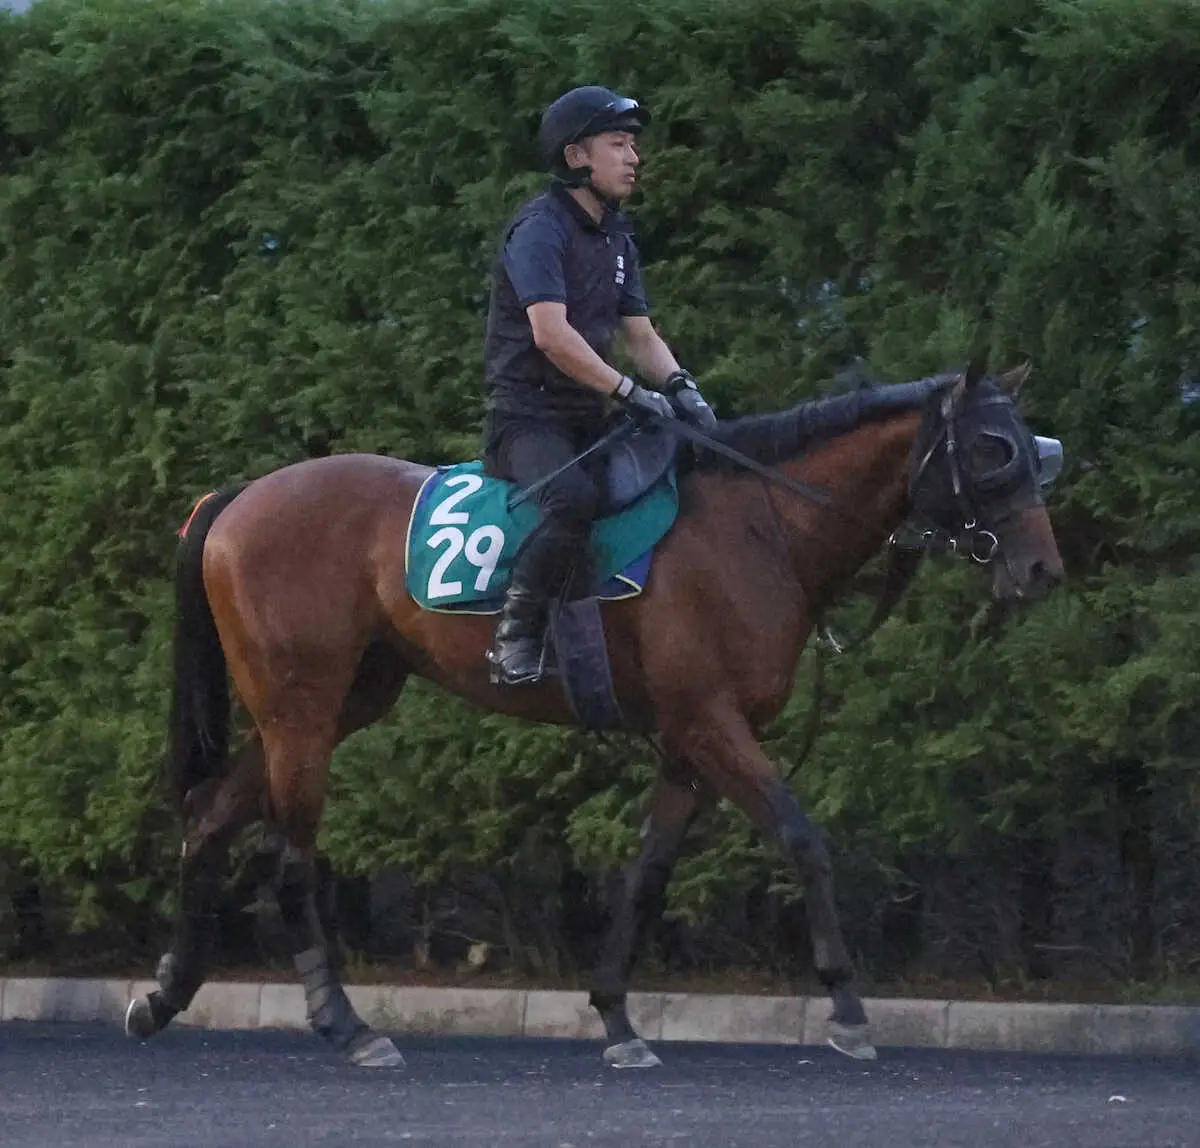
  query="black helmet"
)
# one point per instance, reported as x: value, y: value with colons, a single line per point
x: 584, y: 112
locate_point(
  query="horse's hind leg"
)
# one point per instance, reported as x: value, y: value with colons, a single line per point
x: 298, y: 756
x: 674, y: 802
x: 218, y: 812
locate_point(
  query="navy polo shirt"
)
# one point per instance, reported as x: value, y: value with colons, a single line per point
x: 553, y: 251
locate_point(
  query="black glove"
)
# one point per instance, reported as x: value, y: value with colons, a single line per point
x: 643, y: 399
x: 687, y: 398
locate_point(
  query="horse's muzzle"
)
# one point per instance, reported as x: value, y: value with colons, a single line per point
x: 1026, y: 582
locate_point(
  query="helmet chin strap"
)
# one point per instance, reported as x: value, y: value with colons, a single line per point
x: 580, y: 179
x: 573, y: 177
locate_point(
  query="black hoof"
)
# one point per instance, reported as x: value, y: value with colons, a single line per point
x: 376, y: 1052
x: 147, y: 1016
x: 852, y: 1040
x: 631, y: 1054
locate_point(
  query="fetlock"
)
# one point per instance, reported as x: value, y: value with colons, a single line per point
x: 177, y: 984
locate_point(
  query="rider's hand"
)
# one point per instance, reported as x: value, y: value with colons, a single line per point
x: 643, y: 399
x: 690, y: 402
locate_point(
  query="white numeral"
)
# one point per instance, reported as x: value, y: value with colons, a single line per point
x: 485, y: 559
x: 444, y: 513
x: 482, y: 549
x: 438, y: 588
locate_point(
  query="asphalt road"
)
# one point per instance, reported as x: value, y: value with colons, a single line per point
x: 71, y: 1086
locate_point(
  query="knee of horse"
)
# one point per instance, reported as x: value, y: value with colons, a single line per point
x: 649, y: 885
x: 804, y: 842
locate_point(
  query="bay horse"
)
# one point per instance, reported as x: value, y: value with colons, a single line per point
x: 293, y: 586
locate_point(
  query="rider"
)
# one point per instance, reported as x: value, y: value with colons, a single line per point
x: 565, y: 282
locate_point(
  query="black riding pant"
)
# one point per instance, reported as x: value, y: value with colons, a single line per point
x: 524, y: 450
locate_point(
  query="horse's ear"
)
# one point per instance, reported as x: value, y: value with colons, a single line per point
x: 976, y: 370
x: 958, y: 392
x: 1012, y: 381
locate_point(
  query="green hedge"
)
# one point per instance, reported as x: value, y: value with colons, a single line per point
x: 235, y: 234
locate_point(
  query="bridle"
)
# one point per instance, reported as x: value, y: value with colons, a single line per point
x: 972, y: 540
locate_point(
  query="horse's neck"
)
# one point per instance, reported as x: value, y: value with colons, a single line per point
x: 865, y: 474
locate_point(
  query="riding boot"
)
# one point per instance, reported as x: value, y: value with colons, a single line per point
x: 539, y: 573
x: 516, y: 655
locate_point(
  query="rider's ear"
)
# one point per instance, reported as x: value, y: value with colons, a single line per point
x: 1012, y: 381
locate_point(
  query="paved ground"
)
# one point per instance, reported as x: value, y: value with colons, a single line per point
x: 86, y: 1086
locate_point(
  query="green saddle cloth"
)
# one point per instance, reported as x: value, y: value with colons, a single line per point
x: 463, y: 537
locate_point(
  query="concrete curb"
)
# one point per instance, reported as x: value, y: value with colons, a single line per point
x: 1153, y: 1030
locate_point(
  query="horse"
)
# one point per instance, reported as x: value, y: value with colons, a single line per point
x: 292, y: 588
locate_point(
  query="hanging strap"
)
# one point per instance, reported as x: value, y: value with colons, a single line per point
x: 902, y: 568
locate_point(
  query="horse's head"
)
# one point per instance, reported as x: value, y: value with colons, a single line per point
x: 979, y: 477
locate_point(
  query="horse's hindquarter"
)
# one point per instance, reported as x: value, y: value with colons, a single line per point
x: 293, y: 567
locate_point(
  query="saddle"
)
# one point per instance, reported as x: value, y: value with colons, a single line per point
x: 635, y: 462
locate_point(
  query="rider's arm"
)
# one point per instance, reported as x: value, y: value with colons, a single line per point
x: 567, y: 349
x: 533, y: 259
x: 645, y: 346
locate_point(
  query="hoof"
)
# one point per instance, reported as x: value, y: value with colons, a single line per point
x: 852, y: 1040
x: 140, y: 1022
x: 377, y: 1052
x: 631, y: 1054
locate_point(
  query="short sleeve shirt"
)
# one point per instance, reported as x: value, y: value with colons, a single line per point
x: 553, y: 251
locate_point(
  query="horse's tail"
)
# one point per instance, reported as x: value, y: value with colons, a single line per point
x: 200, y: 701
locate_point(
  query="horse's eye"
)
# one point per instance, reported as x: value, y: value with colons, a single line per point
x: 991, y: 452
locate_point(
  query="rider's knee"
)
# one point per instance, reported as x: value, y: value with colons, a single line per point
x: 572, y: 498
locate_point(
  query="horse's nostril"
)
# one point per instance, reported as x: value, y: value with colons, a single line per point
x: 1041, y: 575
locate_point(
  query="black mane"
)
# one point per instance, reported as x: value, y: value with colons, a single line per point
x: 776, y: 437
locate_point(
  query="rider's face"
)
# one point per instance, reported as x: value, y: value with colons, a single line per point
x: 613, y: 158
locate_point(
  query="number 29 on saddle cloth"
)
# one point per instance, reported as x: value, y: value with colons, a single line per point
x: 462, y: 539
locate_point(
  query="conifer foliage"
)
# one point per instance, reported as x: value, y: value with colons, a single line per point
x: 238, y: 233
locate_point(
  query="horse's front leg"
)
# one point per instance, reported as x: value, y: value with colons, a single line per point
x: 673, y: 804
x: 725, y: 752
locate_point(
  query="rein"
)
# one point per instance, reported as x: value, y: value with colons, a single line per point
x: 972, y: 542
x: 698, y: 438
x: 803, y: 489
x: 619, y: 431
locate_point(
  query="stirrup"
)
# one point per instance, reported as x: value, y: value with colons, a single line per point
x: 500, y: 676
